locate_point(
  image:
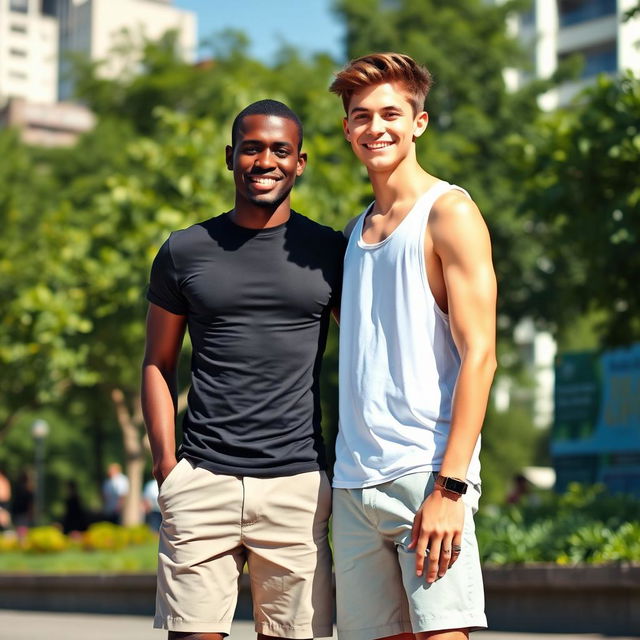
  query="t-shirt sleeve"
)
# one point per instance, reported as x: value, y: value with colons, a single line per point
x: 164, y: 289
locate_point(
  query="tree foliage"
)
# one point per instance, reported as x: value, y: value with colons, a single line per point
x: 582, y: 199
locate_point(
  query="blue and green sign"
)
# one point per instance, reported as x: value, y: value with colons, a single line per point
x: 597, y: 416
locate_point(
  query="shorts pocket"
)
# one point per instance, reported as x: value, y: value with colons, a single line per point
x: 169, y: 480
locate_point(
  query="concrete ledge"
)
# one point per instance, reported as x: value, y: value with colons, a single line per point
x: 109, y: 593
x: 538, y: 598
x: 549, y: 598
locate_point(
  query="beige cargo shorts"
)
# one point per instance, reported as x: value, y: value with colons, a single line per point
x: 213, y: 524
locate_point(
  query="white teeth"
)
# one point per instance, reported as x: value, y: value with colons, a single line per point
x: 268, y: 181
x: 378, y: 145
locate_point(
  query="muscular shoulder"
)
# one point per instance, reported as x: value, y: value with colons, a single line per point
x: 183, y: 240
x: 455, y: 222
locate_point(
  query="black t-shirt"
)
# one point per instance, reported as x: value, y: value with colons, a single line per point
x: 258, y: 304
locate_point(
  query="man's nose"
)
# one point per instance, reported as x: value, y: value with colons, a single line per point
x: 376, y: 124
x: 265, y: 159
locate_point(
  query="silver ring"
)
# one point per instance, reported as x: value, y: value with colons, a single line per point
x: 427, y: 551
x: 456, y: 548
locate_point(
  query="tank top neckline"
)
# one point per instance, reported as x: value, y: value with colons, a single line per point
x: 375, y: 245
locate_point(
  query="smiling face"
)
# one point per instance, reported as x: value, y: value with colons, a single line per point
x: 265, y: 160
x: 382, y: 127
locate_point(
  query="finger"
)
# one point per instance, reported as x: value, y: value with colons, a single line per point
x: 422, y: 552
x: 415, y: 530
x: 433, y: 560
x: 456, y: 550
x: 445, y: 555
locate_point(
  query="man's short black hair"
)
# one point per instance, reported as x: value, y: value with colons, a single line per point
x: 266, y: 108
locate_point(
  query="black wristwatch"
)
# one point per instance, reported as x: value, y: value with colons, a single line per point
x: 454, y: 485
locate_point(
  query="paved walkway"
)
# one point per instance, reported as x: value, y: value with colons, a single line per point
x: 33, y: 625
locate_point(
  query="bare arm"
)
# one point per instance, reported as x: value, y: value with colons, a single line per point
x: 165, y: 332
x: 461, y: 241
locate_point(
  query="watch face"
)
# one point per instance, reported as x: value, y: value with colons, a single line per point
x: 452, y: 484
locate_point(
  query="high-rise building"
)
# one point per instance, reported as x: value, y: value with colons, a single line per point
x: 28, y: 52
x: 95, y: 27
x: 553, y: 30
x: 36, y: 38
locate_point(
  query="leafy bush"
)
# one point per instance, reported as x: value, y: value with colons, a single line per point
x: 108, y: 536
x: 9, y: 542
x: 44, y: 540
x: 584, y: 525
x: 101, y: 536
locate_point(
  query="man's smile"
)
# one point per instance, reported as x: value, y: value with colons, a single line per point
x: 263, y: 181
x: 378, y: 145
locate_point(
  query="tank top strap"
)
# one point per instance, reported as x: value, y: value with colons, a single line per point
x: 426, y: 201
x: 424, y: 204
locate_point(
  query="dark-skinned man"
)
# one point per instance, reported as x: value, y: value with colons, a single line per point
x: 255, y: 286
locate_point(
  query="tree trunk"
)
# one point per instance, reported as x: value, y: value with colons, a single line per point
x: 136, y: 445
x: 130, y: 425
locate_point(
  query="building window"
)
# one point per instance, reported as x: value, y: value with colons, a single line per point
x: 19, y: 6
x: 17, y: 53
x: 17, y: 75
x: 602, y: 58
x: 49, y: 7
x: 18, y: 28
x: 576, y: 11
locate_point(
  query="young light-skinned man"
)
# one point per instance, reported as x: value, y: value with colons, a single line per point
x: 255, y: 286
x: 417, y: 358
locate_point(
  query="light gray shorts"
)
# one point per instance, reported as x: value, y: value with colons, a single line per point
x: 378, y: 593
x: 213, y: 524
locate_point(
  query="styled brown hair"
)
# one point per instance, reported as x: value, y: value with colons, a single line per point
x: 378, y: 68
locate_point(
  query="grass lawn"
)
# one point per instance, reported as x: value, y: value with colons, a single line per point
x: 133, y: 559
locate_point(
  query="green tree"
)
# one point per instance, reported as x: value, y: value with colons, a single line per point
x: 582, y: 201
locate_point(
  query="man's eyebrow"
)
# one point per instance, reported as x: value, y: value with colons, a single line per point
x: 276, y: 143
x: 387, y: 108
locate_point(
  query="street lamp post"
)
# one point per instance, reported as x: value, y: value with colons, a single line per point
x: 39, y: 432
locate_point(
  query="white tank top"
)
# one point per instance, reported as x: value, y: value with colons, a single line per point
x: 398, y: 361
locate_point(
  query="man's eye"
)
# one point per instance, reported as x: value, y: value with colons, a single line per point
x: 250, y: 150
x: 281, y: 153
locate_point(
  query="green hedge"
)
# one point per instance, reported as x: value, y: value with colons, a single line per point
x: 101, y: 536
x: 584, y: 525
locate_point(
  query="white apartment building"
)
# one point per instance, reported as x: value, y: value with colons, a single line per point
x: 28, y: 52
x: 94, y: 27
x: 595, y: 29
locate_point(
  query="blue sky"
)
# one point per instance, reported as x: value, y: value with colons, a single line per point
x: 307, y: 24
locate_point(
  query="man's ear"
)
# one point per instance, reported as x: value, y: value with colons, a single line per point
x: 345, y: 128
x: 229, y: 157
x: 420, y: 124
x: 302, y: 164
